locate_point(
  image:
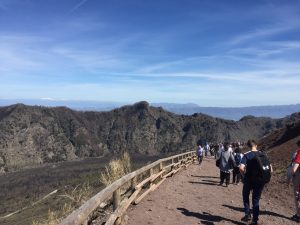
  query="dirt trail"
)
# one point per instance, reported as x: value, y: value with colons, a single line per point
x: 193, y: 197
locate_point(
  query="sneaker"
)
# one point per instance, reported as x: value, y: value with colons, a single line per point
x: 246, y: 218
x: 296, y: 218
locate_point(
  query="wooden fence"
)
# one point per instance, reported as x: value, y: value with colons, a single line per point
x: 131, y: 188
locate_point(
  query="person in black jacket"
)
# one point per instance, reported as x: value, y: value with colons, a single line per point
x: 248, y: 167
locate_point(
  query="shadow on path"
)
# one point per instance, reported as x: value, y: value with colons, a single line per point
x: 207, y: 218
x: 206, y: 183
x: 204, y: 176
x: 261, y: 212
x: 211, y: 181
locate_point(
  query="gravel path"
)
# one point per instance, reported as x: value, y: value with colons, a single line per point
x: 193, y: 196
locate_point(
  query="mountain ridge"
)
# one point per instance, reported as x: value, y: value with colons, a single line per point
x: 233, y: 113
x: 33, y: 135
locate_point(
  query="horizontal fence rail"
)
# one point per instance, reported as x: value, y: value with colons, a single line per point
x: 148, y: 177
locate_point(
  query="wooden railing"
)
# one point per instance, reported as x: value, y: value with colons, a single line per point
x: 135, y: 187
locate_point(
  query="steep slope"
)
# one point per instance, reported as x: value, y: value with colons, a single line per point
x: 280, y: 146
x: 282, y: 143
x: 32, y: 135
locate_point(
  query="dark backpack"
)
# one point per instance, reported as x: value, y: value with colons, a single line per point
x: 258, y: 169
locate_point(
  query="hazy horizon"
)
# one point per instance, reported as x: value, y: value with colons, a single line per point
x: 89, y: 103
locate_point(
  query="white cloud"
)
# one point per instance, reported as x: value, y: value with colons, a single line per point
x: 264, y: 32
x: 92, y: 61
x: 48, y: 99
x: 76, y: 7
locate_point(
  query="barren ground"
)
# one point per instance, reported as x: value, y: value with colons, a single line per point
x: 193, y: 197
x: 22, y: 188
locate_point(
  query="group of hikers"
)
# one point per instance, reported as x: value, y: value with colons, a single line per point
x: 253, y: 168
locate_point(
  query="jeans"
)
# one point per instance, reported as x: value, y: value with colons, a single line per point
x: 296, y: 183
x: 236, y: 175
x: 256, y: 193
x: 224, y: 177
x: 200, y: 158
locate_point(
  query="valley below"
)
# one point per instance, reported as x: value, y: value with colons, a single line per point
x: 23, y: 189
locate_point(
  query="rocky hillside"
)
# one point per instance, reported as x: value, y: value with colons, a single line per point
x: 32, y: 135
x: 280, y: 146
x: 282, y: 143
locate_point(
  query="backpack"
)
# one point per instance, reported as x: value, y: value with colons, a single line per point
x: 218, y: 161
x: 237, y: 159
x: 258, y: 169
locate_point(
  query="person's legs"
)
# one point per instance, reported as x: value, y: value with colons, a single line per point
x: 296, y: 183
x: 222, y: 177
x: 227, y: 175
x: 201, y: 158
x: 257, y: 190
x: 233, y: 175
x: 238, y: 177
x: 246, y: 193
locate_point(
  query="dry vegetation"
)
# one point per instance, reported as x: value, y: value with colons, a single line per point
x: 76, y: 198
x: 115, y: 169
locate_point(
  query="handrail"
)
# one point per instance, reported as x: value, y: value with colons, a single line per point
x: 80, y: 216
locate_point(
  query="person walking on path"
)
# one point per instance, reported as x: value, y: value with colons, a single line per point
x: 206, y: 149
x: 226, y: 165
x: 296, y: 183
x: 200, y: 153
x: 256, y: 169
x: 236, y: 175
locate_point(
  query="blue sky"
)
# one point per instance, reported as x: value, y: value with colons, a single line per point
x: 212, y: 53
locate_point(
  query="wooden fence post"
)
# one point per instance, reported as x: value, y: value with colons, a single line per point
x: 172, y: 167
x: 161, y: 168
x: 133, y: 184
x: 150, y: 174
x: 116, y: 202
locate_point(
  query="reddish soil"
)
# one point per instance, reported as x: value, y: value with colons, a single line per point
x: 193, y: 197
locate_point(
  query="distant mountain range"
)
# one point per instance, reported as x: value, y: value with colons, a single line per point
x: 231, y: 113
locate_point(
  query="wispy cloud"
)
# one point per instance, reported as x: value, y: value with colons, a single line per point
x: 76, y: 7
x: 48, y: 99
x: 90, y: 60
x: 21, y: 52
x: 264, y: 32
x: 167, y: 57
